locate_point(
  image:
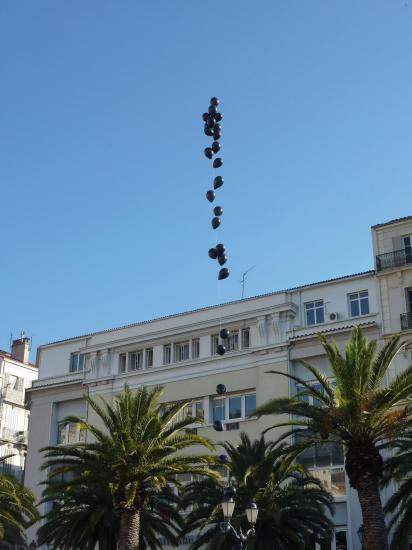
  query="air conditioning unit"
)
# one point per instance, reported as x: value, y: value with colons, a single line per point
x: 333, y: 316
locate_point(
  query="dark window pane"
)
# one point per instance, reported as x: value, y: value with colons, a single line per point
x: 341, y: 543
x: 354, y: 308
x: 250, y: 404
x: 235, y: 410
x: 310, y: 317
x: 320, y: 317
x: 364, y: 306
x: 218, y: 409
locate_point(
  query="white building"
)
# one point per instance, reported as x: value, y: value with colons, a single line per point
x: 271, y: 331
x: 16, y: 375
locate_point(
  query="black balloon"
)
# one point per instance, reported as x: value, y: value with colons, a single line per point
x: 216, y: 134
x: 208, y: 153
x: 218, y: 117
x: 212, y: 253
x: 216, y: 146
x: 220, y: 249
x: 223, y: 273
x: 214, y: 101
x: 223, y: 459
x: 220, y: 389
x: 208, y: 131
x: 205, y: 116
x: 218, y: 182
x: 217, y: 163
x: 217, y: 127
x: 211, y: 122
x: 217, y: 210
x: 222, y: 259
x: 210, y: 195
x: 229, y: 492
x: 212, y: 110
x: 224, y: 333
x: 215, y: 223
x: 218, y: 426
x: 221, y: 350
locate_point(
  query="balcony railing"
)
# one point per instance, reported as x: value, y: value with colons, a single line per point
x: 15, y: 436
x: 397, y: 258
x: 406, y: 321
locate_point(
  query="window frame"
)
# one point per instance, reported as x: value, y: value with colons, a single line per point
x: 67, y: 426
x: 358, y: 301
x: 236, y: 334
x: 315, y: 310
x: 226, y: 399
x: 77, y: 362
x: 177, y: 350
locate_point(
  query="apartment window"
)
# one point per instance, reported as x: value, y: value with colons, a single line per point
x: 218, y: 407
x: 70, y: 432
x: 407, y: 244
x: 315, y: 312
x: 148, y: 358
x: 195, y: 348
x: 232, y: 343
x: 15, y: 383
x: 235, y: 407
x: 250, y: 403
x: 136, y: 360
x: 199, y: 409
x: 245, y: 338
x: 215, y: 343
x: 167, y: 354
x: 181, y: 352
x: 237, y: 338
x: 359, y: 303
x: 77, y: 361
x: 122, y: 362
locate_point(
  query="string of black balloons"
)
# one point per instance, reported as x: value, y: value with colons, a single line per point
x: 213, y: 129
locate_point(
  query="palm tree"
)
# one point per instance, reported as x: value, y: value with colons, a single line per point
x: 358, y: 409
x: 399, y: 506
x: 17, y: 509
x: 138, y: 454
x: 292, y: 504
x: 83, y: 515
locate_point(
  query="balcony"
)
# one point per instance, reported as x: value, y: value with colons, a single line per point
x: 406, y: 321
x: 397, y: 258
x: 14, y: 436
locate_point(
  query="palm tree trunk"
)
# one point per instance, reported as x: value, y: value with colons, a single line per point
x: 375, y: 534
x: 129, y: 530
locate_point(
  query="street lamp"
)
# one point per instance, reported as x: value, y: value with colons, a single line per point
x: 33, y: 545
x: 228, y: 506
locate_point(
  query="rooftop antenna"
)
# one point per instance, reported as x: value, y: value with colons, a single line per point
x: 244, y: 277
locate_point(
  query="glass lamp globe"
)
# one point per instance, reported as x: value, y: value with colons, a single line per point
x: 252, y: 512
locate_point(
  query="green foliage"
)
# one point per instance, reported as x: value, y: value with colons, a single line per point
x: 292, y: 504
x: 17, y: 509
x: 399, y: 506
x: 129, y: 465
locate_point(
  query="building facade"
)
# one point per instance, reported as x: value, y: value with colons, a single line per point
x: 16, y: 375
x: 268, y: 332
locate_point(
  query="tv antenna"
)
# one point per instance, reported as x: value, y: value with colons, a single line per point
x: 243, y: 280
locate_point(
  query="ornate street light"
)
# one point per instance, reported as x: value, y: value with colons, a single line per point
x: 33, y: 545
x: 228, y: 506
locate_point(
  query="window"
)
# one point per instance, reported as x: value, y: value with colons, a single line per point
x: 245, y: 338
x: 136, y: 360
x: 195, y: 348
x: 250, y: 403
x: 232, y: 343
x: 122, y: 362
x: 77, y: 361
x: 359, y: 303
x: 233, y: 407
x: 315, y: 312
x: 167, y: 354
x: 148, y: 358
x: 199, y: 409
x: 407, y: 244
x: 215, y: 343
x: 15, y: 383
x: 237, y: 338
x: 218, y: 409
x: 70, y: 432
x: 181, y: 352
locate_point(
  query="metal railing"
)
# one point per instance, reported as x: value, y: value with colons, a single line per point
x: 16, y: 436
x: 397, y: 258
x: 406, y: 321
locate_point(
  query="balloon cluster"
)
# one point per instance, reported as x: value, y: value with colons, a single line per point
x: 213, y: 129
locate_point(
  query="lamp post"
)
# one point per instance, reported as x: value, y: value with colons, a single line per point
x: 228, y: 506
x: 33, y: 545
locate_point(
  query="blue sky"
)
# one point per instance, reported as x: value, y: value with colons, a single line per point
x: 102, y: 175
